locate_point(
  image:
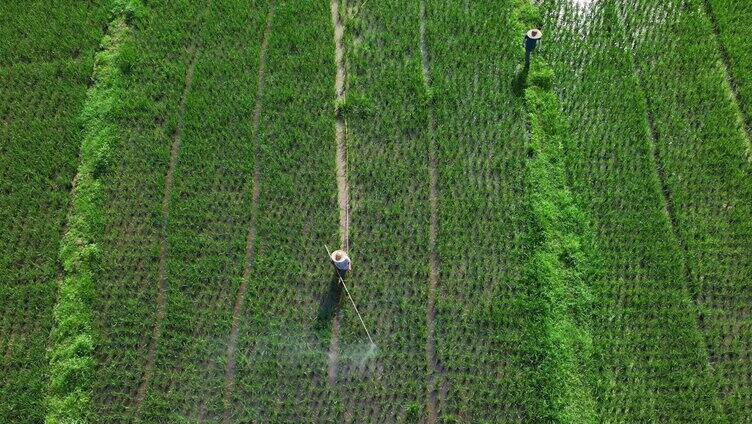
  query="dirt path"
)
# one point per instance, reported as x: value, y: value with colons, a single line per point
x: 437, y: 385
x: 162, y: 291
x: 343, y: 189
x: 250, y: 255
x: 742, y: 115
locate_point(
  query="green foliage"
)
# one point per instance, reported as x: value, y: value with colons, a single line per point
x: 703, y: 154
x: 65, y: 30
x: 71, y: 356
x: 640, y: 165
x: 46, y: 57
x: 414, y: 412
x: 538, y: 318
x: 559, y: 264
x: 730, y: 19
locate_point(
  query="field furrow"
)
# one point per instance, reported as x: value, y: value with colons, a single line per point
x: 343, y: 188
x: 437, y: 384
x: 250, y: 247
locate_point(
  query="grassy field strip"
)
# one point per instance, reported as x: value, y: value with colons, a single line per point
x: 165, y: 211
x: 40, y: 141
x: 481, y: 330
x: 71, y: 356
x: 704, y: 155
x: 37, y: 33
x: 155, y: 67
x: 562, y: 260
x: 209, y: 216
x: 437, y: 384
x: 284, y: 336
x: 250, y: 247
x: 644, y: 324
x: 343, y: 189
x: 730, y: 22
x: 387, y: 138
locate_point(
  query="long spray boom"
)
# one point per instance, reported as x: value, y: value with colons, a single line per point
x: 329, y: 254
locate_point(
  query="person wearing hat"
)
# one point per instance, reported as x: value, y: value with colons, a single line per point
x: 341, y: 262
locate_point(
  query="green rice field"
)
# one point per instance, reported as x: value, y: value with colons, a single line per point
x: 564, y: 242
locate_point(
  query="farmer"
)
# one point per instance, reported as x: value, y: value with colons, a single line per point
x: 531, y: 41
x: 341, y: 262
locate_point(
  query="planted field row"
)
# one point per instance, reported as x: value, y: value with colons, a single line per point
x: 285, y: 325
x: 42, y: 97
x: 482, y: 332
x: 654, y: 167
x: 730, y: 23
x: 387, y: 142
x: 640, y: 296
x: 37, y: 31
x: 126, y: 303
x: 703, y: 152
x: 183, y: 234
x: 208, y: 218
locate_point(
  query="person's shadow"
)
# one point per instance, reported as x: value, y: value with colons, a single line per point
x: 519, y: 81
x: 329, y: 304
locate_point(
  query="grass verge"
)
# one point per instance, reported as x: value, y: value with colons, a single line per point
x: 561, y: 258
x: 71, y: 355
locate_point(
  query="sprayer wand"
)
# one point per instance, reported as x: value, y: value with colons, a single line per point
x: 351, y: 300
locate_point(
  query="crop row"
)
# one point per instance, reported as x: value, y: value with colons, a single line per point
x: 286, y: 322
x: 39, y: 148
x: 209, y: 215
x: 34, y: 32
x: 703, y: 152
x: 482, y: 323
x: 191, y: 81
x: 658, y: 171
x: 730, y: 22
x: 641, y: 295
x: 125, y: 303
x: 387, y: 141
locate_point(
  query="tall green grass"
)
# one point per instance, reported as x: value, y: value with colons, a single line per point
x: 71, y: 356
x: 562, y: 264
